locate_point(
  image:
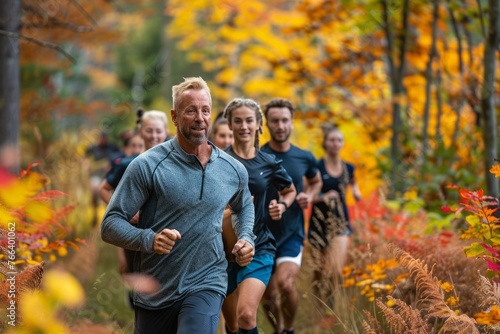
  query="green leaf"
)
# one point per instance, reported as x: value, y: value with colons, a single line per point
x: 394, y: 205
x: 414, y: 205
x: 495, y: 240
x: 473, y: 220
x: 437, y: 222
x: 474, y: 250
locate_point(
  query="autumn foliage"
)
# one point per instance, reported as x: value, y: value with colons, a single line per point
x: 343, y: 62
x: 443, y: 289
x: 32, y: 233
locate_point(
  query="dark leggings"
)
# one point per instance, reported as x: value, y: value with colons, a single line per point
x: 197, y: 313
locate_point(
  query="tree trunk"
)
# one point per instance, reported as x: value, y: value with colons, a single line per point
x: 397, y: 90
x: 487, y: 103
x: 10, y: 14
x: 428, y: 87
x: 457, y: 106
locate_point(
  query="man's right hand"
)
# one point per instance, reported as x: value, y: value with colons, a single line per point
x: 165, y: 240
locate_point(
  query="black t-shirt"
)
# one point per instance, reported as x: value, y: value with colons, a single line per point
x: 264, y: 172
x: 298, y: 163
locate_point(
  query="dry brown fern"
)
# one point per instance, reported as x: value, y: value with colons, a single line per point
x: 490, y: 292
x: 367, y: 329
x: 449, y: 264
x: 371, y: 326
x: 403, y: 318
x: 27, y: 279
x: 430, y: 296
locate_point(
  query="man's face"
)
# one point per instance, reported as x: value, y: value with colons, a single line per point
x: 193, y: 117
x: 279, y: 123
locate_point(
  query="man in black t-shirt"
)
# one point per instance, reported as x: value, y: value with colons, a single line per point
x: 289, y: 233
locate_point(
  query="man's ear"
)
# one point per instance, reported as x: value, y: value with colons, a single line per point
x: 173, y: 114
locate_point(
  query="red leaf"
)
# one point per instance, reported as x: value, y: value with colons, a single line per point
x: 49, y: 194
x: 493, y: 266
x: 447, y: 209
x: 23, y: 172
x: 492, y: 250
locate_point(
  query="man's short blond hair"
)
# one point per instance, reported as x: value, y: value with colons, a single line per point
x: 196, y: 83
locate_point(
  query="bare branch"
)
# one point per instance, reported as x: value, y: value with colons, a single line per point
x: 84, y: 12
x: 59, y: 24
x: 39, y: 42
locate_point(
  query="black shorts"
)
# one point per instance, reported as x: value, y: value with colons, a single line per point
x: 197, y: 313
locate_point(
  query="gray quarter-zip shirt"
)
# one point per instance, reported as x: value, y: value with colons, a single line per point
x: 172, y: 190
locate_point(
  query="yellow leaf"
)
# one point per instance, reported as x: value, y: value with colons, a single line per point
x: 34, y: 182
x: 6, y: 217
x: 13, y: 196
x: 62, y: 251
x: 38, y: 212
x: 425, y: 41
x: 16, y: 194
x: 63, y: 287
x: 234, y: 35
x: 31, y: 301
x: 227, y: 75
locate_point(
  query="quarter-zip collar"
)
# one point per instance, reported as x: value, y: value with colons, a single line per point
x: 193, y: 159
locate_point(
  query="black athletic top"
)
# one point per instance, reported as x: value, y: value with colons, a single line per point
x: 331, y: 218
x: 264, y: 172
x: 298, y: 163
x: 115, y: 174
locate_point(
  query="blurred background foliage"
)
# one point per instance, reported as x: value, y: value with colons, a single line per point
x: 330, y: 58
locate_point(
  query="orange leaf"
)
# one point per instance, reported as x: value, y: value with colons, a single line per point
x: 495, y: 170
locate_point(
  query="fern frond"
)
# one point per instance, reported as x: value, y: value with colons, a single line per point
x: 367, y: 329
x: 372, y: 326
x: 459, y: 324
x: 29, y: 278
x: 430, y: 295
x: 489, y: 290
x: 396, y: 320
x: 403, y: 318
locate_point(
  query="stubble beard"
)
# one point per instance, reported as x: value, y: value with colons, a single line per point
x: 194, y: 139
x: 280, y: 141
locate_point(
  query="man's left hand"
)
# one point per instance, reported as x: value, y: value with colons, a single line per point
x: 244, y: 252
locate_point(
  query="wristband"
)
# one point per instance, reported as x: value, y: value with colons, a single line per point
x: 284, y: 203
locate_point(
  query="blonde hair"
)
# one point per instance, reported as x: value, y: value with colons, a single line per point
x: 150, y: 115
x: 252, y: 105
x: 196, y: 83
